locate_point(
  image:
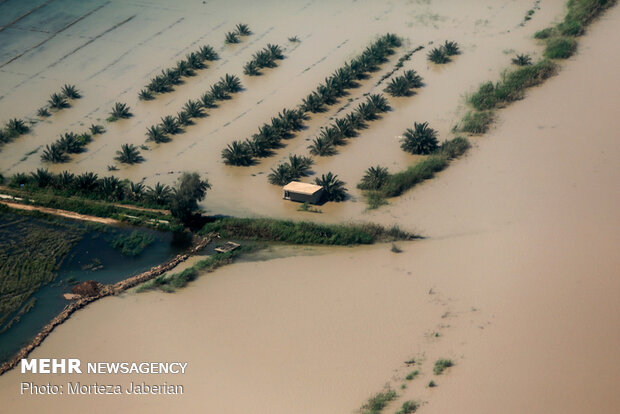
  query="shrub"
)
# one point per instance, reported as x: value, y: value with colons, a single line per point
x: 476, y: 122
x: 43, y: 112
x: 441, y: 365
x: 146, y: 95
x: 412, y: 375
x: 560, y: 48
x: 544, y: 33
x: 423, y: 170
x: 408, y: 407
x: 378, y: 402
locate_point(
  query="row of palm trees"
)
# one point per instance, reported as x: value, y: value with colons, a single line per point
x: 346, y: 127
x: 89, y: 185
x: 60, y: 100
x: 241, y: 29
x: 265, y: 58
x: 268, y: 138
x: 270, y: 135
x: 441, y: 54
x: 192, y: 109
x: 69, y: 143
x: 402, y: 85
x: 13, y: 128
x: 165, y: 81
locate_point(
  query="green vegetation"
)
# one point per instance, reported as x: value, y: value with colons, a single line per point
x: 265, y: 58
x: 412, y: 375
x: 512, y: 85
x: 68, y: 143
x: 270, y: 135
x: 308, y: 208
x: 243, y: 29
x: 476, y: 122
x: 402, y: 85
x: 70, y: 92
x: 522, y: 60
x: 432, y: 384
x: 190, y: 189
x: 333, y: 188
x: 560, y: 47
x: 31, y: 251
x: 43, y: 112
x: 264, y: 229
x: 438, y: 55
x: 119, y: 110
x: 378, y: 402
x: 451, y: 48
x: 165, y: 81
x: 231, y: 38
x: 441, y: 365
x: 408, y: 407
x: 393, y: 185
x: 58, y: 101
x: 13, y: 129
x: 132, y: 244
x: 420, y: 140
x: 128, y: 154
x: 297, y: 166
x: 544, y: 33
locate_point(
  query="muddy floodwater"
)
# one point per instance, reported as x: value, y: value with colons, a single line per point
x: 517, y: 279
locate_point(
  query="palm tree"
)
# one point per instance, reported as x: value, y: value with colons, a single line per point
x: 207, y: 100
x: 281, y: 175
x: 392, y: 40
x: 522, y: 60
x: 378, y: 102
x: 19, y: 180
x: 327, y: 93
x: 184, y: 69
x: 420, y: 140
x: 312, y: 103
x: 231, y: 83
x: 374, y: 178
x: 366, y: 111
x: 270, y: 134
x: 218, y: 91
x: 208, y: 53
x: 160, y: 84
x: 96, y: 129
x: 344, y: 127
x: 251, y: 68
x: 111, y: 188
x: 231, y: 37
x: 119, y: 110
x: 16, y: 127
x: 69, y: 143
x: 184, y: 119
x: 355, y: 120
x: 42, y: 177
x: 292, y: 119
x: 64, y: 181
x: 412, y: 77
x: 193, y: 109
x: 70, y: 92
x: 322, y: 147
x: 275, y: 51
x: 333, y: 188
x: 344, y: 77
x: 156, y: 134
x: 398, y: 86
x: 159, y: 195
x: 86, y: 183
x: 195, y: 61
x: 299, y: 165
x: 258, y: 147
x: 58, y: 101
x: 54, y: 153
x: 451, y: 48
x: 135, y: 191
x: 169, y: 125
x: 237, y: 153
x: 264, y: 59
x: 333, y: 135
x: 437, y: 55
x: 173, y: 76
x: 43, y: 112
x: 146, y: 95
x: 243, y: 29
x: 128, y: 154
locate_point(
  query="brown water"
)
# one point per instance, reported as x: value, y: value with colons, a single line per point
x: 519, y: 278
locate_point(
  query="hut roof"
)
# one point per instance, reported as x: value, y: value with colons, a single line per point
x: 302, y: 188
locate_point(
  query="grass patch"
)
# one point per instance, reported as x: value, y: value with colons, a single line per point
x: 412, y: 375
x: 302, y: 232
x: 476, y: 122
x: 375, y: 199
x: 408, y: 407
x: 441, y: 365
x: 560, y: 47
x: 132, y: 244
x: 400, y: 182
x: 378, y: 402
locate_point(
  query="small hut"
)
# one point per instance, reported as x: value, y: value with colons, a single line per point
x: 303, y: 192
